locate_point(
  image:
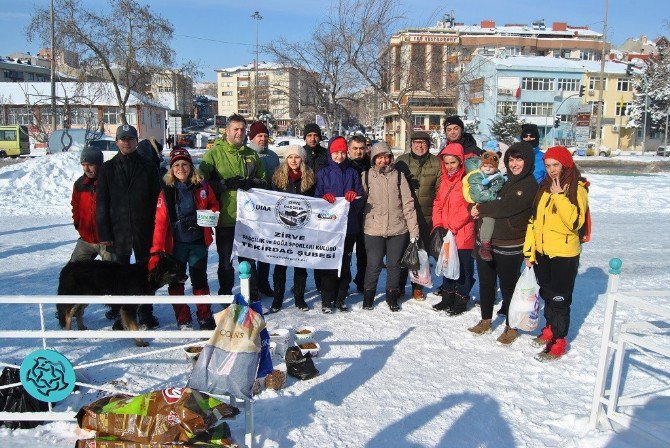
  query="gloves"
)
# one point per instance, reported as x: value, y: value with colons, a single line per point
x: 350, y: 195
x: 329, y: 197
x: 251, y: 183
x: 234, y: 183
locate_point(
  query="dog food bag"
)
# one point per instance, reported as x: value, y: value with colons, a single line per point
x: 163, y: 416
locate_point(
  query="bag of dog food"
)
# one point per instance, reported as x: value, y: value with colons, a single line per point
x: 160, y: 417
x: 229, y: 361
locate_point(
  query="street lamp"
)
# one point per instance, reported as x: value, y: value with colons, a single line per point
x: 257, y: 17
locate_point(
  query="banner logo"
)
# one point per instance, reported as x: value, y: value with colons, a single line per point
x: 292, y: 213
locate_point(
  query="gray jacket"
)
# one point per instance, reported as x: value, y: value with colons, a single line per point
x: 269, y: 158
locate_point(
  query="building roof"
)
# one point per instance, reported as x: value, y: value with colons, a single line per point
x: 261, y: 66
x: 516, y: 30
x: 93, y: 93
x: 547, y: 62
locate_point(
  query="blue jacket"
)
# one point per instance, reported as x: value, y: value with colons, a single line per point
x: 540, y: 172
x: 337, y: 179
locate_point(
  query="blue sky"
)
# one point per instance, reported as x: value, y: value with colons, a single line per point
x: 221, y: 33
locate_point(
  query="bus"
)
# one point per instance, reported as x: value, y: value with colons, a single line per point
x: 14, y: 141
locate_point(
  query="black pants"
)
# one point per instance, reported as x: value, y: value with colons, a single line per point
x: 506, y: 269
x: 463, y: 284
x: 332, y: 285
x: 361, y: 260
x: 279, y: 279
x: 263, y: 270
x: 378, y: 246
x: 226, y: 273
x: 556, y: 277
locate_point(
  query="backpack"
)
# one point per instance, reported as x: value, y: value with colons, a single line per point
x: 585, y: 230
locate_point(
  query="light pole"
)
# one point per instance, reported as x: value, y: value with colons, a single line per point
x: 53, y: 70
x: 599, y: 117
x: 257, y: 17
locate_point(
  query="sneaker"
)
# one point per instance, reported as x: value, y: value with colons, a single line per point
x: 417, y: 294
x: 186, y: 326
x: 207, y: 324
x: 112, y: 314
x: 553, y: 350
x: 544, y: 337
x: 508, y: 336
x: 482, y: 327
x: 484, y: 251
x: 149, y: 321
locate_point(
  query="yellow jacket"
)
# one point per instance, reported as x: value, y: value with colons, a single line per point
x: 555, y: 229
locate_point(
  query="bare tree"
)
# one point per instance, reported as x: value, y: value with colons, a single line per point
x: 126, y: 43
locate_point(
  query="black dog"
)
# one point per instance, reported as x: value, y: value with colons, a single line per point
x: 100, y: 278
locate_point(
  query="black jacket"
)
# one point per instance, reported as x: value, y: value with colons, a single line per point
x: 469, y: 145
x: 128, y: 189
x: 317, y: 159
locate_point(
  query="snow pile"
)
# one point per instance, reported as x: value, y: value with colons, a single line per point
x: 39, y: 186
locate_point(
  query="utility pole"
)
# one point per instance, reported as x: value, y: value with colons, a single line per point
x: 53, y: 70
x: 257, y: 17
x: 599, y: 118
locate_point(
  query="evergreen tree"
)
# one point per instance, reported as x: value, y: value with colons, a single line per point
x: 654, y: 84
x: 506, y: 127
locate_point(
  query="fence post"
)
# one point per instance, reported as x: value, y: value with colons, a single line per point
x: 608, y: 329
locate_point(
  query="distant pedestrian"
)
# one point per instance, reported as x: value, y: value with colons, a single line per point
x: 531, y: 134
x: 170, y: 141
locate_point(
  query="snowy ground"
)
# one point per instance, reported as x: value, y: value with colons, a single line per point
x: 415, y: 378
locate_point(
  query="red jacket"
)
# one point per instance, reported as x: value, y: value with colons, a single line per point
x: 450, y: 209
x: 205, y: 199
x: 83, y: 209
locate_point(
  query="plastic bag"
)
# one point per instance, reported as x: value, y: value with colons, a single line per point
x: 410, y: 259
x: 422, y: 275
x: 298, y: 365
x: 447, y: 262
x: 16, y: 399
x: 228, y: 363
x: 436, y: 242
x: 524, y: 309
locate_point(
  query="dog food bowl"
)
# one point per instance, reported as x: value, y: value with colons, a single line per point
x: 304, y: 334
x: 281, y: 336
x: 207, y: 218
x: 309, y: 347
x: 277, y: 378
x: 192, y: 353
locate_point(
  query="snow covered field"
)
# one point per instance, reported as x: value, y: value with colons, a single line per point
x: 415, y: 378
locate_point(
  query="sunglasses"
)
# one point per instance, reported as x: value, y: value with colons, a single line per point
x: 529, y: 136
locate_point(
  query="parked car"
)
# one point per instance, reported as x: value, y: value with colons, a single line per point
x: 283, y: 142
x: 663, y: 151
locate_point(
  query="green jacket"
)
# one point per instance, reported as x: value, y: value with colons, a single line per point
x: 224, y: 162
x: 424, y: 180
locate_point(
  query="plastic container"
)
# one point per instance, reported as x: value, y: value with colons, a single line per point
x: 207, y: 218
x: 192, y: 353
x: 314, y: 351
x: 281, y: 336
x: 304, y: 334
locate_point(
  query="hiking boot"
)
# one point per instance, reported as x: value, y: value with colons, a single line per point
x: 207, y: 324
x: 484, y: 251
x: 339, y: 303
x: 508, y: 336
x: 554, y: 350
x: 482, y: 327
x: 446, y: 303
x: 392, y: 296
x: 417, y: 294
x: 544, y: 337
x: 460, y: 305
x: 368, y: 299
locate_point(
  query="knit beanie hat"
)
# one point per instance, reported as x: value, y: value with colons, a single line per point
x: 337, y: 144
x: 91, y: 155
x: 257, y: 127
x: 295, y: 150
x: 492, y: 145
x: 532, y: 130
x: 312, y: 127
x: 454, y: 119
x: 489, y: 158
x: 180, y: 153
x: 561, y: 154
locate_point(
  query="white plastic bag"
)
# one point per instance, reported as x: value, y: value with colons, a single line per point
x: 422, y: 276
x: 447, y: 262
x: 524, y: 308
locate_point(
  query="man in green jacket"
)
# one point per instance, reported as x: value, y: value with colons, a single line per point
x: 423, y: 172
x: 230, y: 166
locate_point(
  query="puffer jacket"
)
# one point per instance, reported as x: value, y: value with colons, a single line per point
x: 83, y: 209
x: 554, y: 231
x: 450, y: 209
x: 423, y: 174
x: 166, y: 215
x: 224, y: 161
x: 389, y: 210
x: 337, y: 179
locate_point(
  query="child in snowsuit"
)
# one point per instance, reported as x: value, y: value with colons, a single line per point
x: 483, y: 185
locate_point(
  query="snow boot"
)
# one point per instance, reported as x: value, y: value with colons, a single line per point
x: 327, y: 298
x: 339, y: 302
x: 482, y: 327
x: 508, y: 336
x: 460, y: 305
x: 299, y: 295
x: 447, y: 301
x: 278, y: 299
x: 554, y: 350
x: 485, y: 251
x: 545, y: 337
x: 392, y: 296
x: 368, y: 299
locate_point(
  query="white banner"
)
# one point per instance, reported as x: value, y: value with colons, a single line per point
x: 289, y: 229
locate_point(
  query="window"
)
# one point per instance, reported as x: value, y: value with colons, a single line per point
x: 110, y: 115
x: 418, y: 120
x: 565, y: 118
x: 243, y: 83
x: 588, y: 55
x: 624, y: 85
x: 537, y: 109
x: 227, y: 93
x: 620, y: 110
x: 504, y: 106
x: 8, y: 136
x: 514, y: 51
x: 594, y: 83
x: 84, y: 116
x: 537, y: 84
x: 593, y: 105
x: 131, y: 116
x: 20, y: 116
x: 434, y: 120
x: 568, y: 85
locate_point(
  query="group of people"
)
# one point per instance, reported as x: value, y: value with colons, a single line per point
x: 527, y: 210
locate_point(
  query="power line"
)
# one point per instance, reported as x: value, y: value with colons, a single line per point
x: 214, y: 40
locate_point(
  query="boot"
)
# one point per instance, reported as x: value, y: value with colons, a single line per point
x: 446, y: 303
x: 327, y: 301
x: 392, y: 296
x: 278, y: 299
x: 339, y: 302
x: 508, y: 336
x: 482, y: 327
x: 299, y: 295
x: 545, y: 337
x: 554, y: 350
x: 368, y: 299
x: 182, y: 313
x: 460, y: 305
x: 417, y: 294
x: 485, y: 251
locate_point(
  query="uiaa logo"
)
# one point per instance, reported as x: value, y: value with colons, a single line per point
x: 292, y: 213
x: 326, y: 215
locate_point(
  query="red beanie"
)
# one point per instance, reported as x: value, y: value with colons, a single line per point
x: 561, y: 154
x: 179, y: 153
x: 257, y: 127
x: 337, y: 144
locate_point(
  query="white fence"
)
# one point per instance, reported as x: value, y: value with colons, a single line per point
x: 143, y: 353
x: 645, y: 335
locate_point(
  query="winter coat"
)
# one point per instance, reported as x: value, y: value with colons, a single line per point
x: 294, y: 188
x: 83, y: 208
x: 554, y: 231
x: 475, y: 191
x: 469, y: 145
x: 317, y: 159
x: 389, y: 210
x: 166, y: 215
x: 451, y: 210
x: 423, y: 174
x: 540, y: 171
x: 128, y: 188
x: 269, y: 159
x: 337, y: 179
x: 224, y: 161
x: 514, y: 203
